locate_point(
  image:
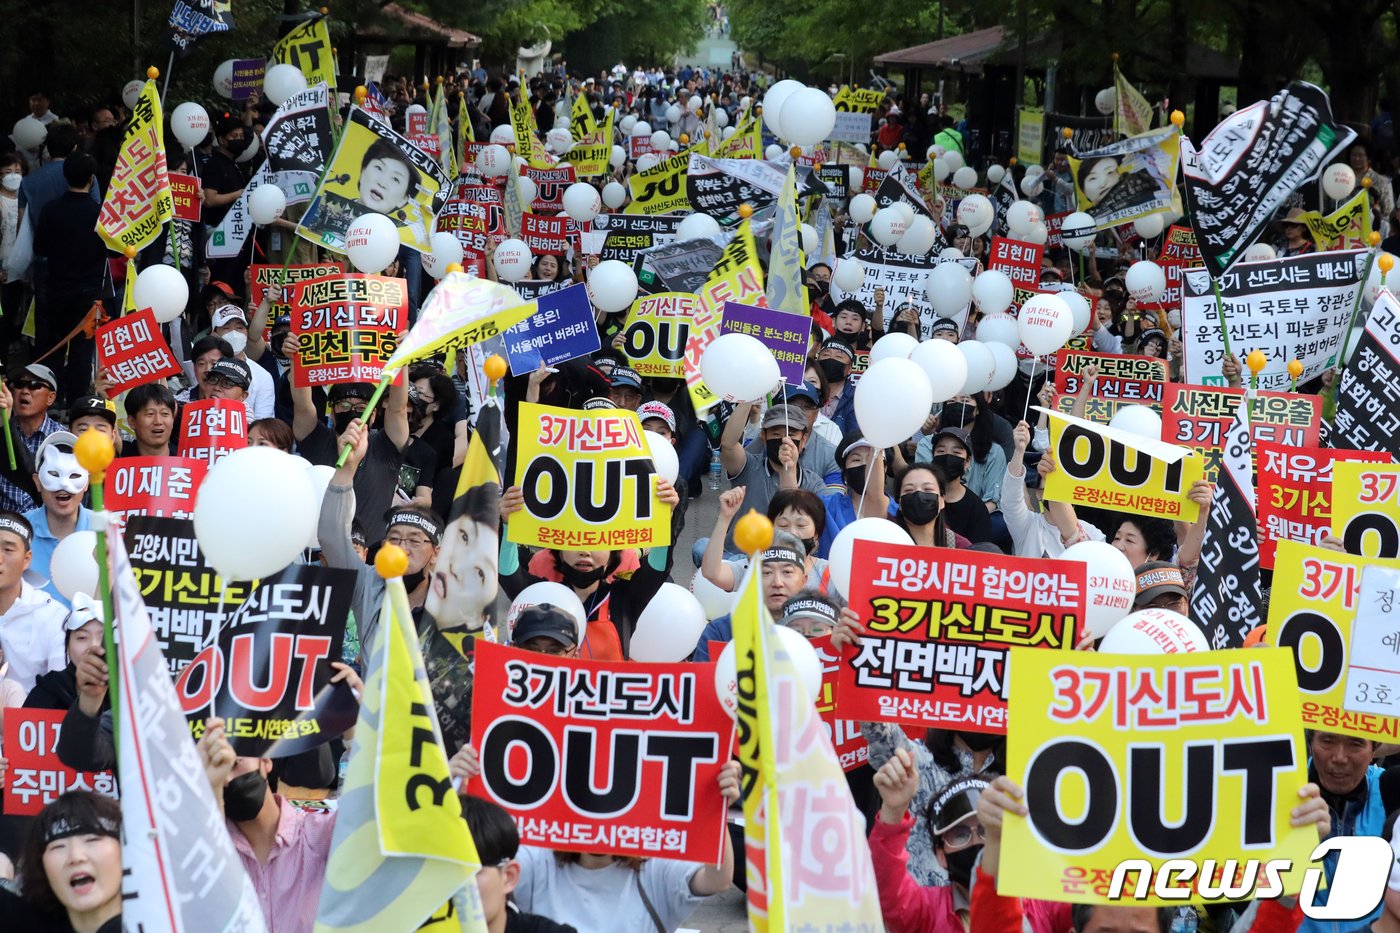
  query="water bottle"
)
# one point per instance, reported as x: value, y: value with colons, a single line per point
x: 716, y: 470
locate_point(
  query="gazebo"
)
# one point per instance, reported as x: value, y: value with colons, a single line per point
x: 437, y: 48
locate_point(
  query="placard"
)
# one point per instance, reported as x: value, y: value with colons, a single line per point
x: 852, y: 749
x: 184, y: 196
x: 131, y: 350
x: 36, y: 777
x: 346, y: 327
x: 1366, y: 513
x: 1294, y: 489
x: 562, y: 329
x: 269, y: 278
x: 550, y: 185
x: 1020, y: 261
x: 247, y: 77
x: 1199, y: 417
x: 655, y: 336
x: 1130, y: 378
x: 787, y: 336
x: 1375, y: 637
x: 1368, y: 416
x: 161, y: 486
x: 213, y: 427
x: 545, y: 236
x: 1093, y: 468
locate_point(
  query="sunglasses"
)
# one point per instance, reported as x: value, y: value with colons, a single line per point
x: 28, y: 385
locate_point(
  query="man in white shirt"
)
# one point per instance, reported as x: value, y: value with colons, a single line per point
x: 230, y: 323
x: 31, y: 623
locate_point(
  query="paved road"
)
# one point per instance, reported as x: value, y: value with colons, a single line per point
x: 710, y: 52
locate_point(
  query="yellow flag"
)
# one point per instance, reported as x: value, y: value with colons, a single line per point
x: 785, y: 289
x: 138, y: 201
x: 582, y: 119
x: 440, y: 125
x: 737, y: 276
x: 1348, y: 227
x: 308, y: 46
x: 527, y: 143
x: 1132, y: 114
x: 746, y: 141
x: 661, y: 188
x: 461, y: 310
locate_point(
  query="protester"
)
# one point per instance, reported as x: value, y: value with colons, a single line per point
x: 231, y: 324
x: 31, y: 623
x: 498, y: 843
x: 62, y: 483
x: 72, y: 863
x: 150, y: 410
x: 58, y: 689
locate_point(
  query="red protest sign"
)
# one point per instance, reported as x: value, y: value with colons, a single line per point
x: 940, y: 626
x: 416, y: 123
x: 36, y: 777
x: 1199, y: 417
x: 1139, y: 378
x: 852, y: 750
x: 1294, y: 490
x: 131, y: 350
x: 550, y: 184
x: 596, y: 756
x: 184, y: 195
x: 1054, y: 226
x: 638, y: 146
x: 346, y: 328
x: 264, y: 278
x: 874, y: 178
x: 162, y: 486
x: 1020, y: 261
x: 212, y: 427
x: 545, y: 235
x: 1180, y: 247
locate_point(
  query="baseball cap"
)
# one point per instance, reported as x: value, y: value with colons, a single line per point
x: 786, y: 548
x: 850, y: 443
x: 809, y: 607
x: 225, y: 313
x: 91, y: 405
x: 223, y: 287
x: 42, y: 373
x: 84, y: 610
x: 623, y: 376
x: 785, y: 416
x: 958, y: 433
x: 840, y: 346
x: 802, y: 390
x: 1158, y: 578
x: 234, y: 370
x: 350, y: 390
x: 63, y: 440
x: 956, y: 803
x: 428, y: 524
x: 657, y: 410
x: 544, y: 620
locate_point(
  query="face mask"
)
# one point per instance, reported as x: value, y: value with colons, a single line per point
x: 236, y: 146
x: 979, y: 741
x: 955, y: 415
x: 961, y: 863
x: 952, y: 465
x: 412, y: 581
x: 11, y: 181
x: 342, y: 421
x: 581, y: 579
x: 854, y: 477
x: 919, y: 508
x: 665, y: 385
x: 810, y: 545
x: 61, y: 472
x: 237, y: 340
x: 773, y: 446
x: 244, y: 795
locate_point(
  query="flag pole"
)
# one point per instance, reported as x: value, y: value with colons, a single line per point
x: 95, y: 452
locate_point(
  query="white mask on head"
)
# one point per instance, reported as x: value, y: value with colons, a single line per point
x: 59, y: 471
x: 11, y: 180
x: 237, y: 340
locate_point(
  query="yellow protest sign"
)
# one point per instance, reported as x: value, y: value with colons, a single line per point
x: 138, y: 201
x: 737, y: 276
x: 858, y: 100
x: 746, y: 142
x: 1311, y: 609
x: 1366, y: 507
x: 591, y: 152
x: 581, y: 119
x: 1348, y: 227
x: 657, y: 330
x: 308, y: 46
x: 588, y: 480
x: 661, y: 188
x: 1030, y: 135
x: 527, y: 144
x: 1145, y: 758
x: 1094, y: 468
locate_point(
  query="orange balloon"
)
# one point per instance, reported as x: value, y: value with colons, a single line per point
x: 454, y: 267
x: 130, y: 252
x: 1386, y: 262
x: 94, y: 451
x: 1256, y: 361
x: 1178, y: 119
x: 1256, y: 636
x: 494, y: 367
x: 391, y: 561
x: 746, y: 210
x: 153, y: 72
x: 1067, y: 133
x: 1374, y: 239
x: 753, y: 532
x: 1366, y: 182
x: 796, y: 151
x: 1295, y: 368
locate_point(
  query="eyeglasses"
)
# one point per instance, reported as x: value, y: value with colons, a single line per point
x: 221, y: 382
x: 28, y: 385
x: 352, y: 405
x: 961, y: 835
x: 412, y: 541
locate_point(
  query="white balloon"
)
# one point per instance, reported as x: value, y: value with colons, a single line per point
x: 282, y: 81
x: 863, y: 208
x: 673, y: 114
x: 951, y: 252
x: 804, y: 659
x: 715, y: 601
x: 493, y: 161
x: 512, y: 260
x: 999, y: 328
x: 641, y: 128
x: 993, y: 291
x: 1154, y: 631
x: 266, y: 204
x: 727, y: 681
x: 663, y: 456
x: 954, y: 160
x: 250, y: 152
x: 773, y: 152
x: 528, y: 190
x: 1338, y: 181
x: 647, y: 161
x: 728, y: 131
x: 1106, y: 100
x: 773, y: 102
x: 895, y: 345
x: 848, y: 274
x: 739, y: 367
x: 1259, y: 252
x: 918, y: 239
x: 1032, y: 185
x: 223, y: 79
x: 1022, y: 215
x: 581, y: 201
x: 887, y: 159
x: 980, y: 366
x: 628, y: 122
x: 1150, y: 226
x: 1077, y: 231
x: 254, y: 513
x: 808, y: 116
x: 547, y: 593
x: 1146, y: 281
x: 965, y: 178
x: 73, y: 565
x: 29, y: 133
x: 1078, y: 308
x: 862, y: 529
x: 190, y: 124
x: 722, y: 119
x: 1138, y: 419
x: 892, y: 400
x: 906, y: 210
x: 371, y: 243
x: 887, y: 226
x: 1111, y: 584
x: 162, y: 289
x: 320, y: 475
x: 503, y: 136
x: 618, y: 157
x: 696, y: 226
x: 935, y: 151
x: 612, y: 286
x: 945, y: 367
x: 614, y: 195
x: 941, y: 171
x: 809, y: 239
x: 668, y: 627
x: 446, y: 250
x: 559, y: 140
x: 1004, y: 366
x: 949, y: 288
x: 995, y: 173
x: 855, y: 177
x: 1038, y: 233
x: 660, y: 140
x: 1045, y: 324
x: 976, y: 213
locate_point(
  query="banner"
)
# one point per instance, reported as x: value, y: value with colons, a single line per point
x: 160, y: 486
x: 1132, y: 114
x: 786, y: 335
x: 1100, y: 467
x: 185, y: 200
x: 132, y: 350
x: 660, y: 189
x: 545, y: 236
x: 1199, y: 418
x: 681, y: 266
x: 719, y: 186
x: 460, y: 311
x: 1127, y: 180
x: 1312, y: 605
x: 346, y: 328
x: 192, y: 20
x: 1116, y: 768
x: 656, y: 333
x: 269, y: 278
x: 308, y: 46
x: 170, y: 820
x: 620, y: 758
x: 1348, y: 227
x: 1135, y: 378
x: 375, y: 170
x: 738, y: 276
x: 624, y: 236
x: 550, y: 184
x: 1368, y: 417
x: 1020, y: 261
x: 591, y: 154
x: 902, y: 278
x: 588, y: 481
x: 582, y: 121
x: 298, y: 140
x: 850, y: 746
x: 1295, y: 492
x: 1374, y: 688
x: 35, y: 776
x: 1251, y: 162
x: 1295, y: 308
x: 138, y: 201
x: 211, y: 428
x: 939, y: 626
x: 1030, y: 135
x: 268, y: 676
x: 562, y: 329
x: 229, y: 237
x: 746, y: 142
x: 1366, y: 514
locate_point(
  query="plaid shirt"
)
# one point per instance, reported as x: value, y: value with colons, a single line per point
x: 11, y: 496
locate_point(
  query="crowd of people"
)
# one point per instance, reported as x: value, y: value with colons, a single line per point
x: 969, y: 478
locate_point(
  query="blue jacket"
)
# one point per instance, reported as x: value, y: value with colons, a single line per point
x: 1364, y: 817
x: 721, y: 629
x: 844, y: 416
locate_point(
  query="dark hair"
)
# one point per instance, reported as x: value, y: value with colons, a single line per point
x: 1087, y: 166
x: 493, y: 830
x: 983, y: 433
x: 1080, y: 914
x: 277, y: 431
x: 823, y: 383
x: 443, y: 388
x: 1158, y: 534
x: 62, y: 139
x: 78, y: 807
x: 78, y: 170
x: 850, y: 304
x: 23, y: 522
x: 1363, y: 145
x: 12, y: 158
x: 384, y: 149
x: 941, y: 534
x: 149, y: 393
x: 209, y: 342
x: 803, y: 500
